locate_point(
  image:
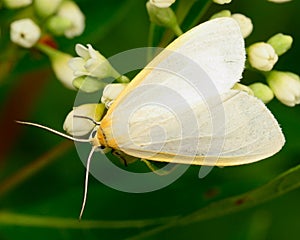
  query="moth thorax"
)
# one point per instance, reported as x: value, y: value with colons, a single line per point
x: 101, y: 137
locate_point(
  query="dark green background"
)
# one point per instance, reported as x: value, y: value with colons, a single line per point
x: 114, y: 26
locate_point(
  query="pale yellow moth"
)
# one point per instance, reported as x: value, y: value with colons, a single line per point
x: 248, y: 132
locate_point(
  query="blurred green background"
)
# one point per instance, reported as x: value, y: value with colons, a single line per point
x: 31, y: 92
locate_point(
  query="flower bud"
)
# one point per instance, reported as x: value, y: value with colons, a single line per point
x: 221, y: 1
x: 24, y: 32
x: 91, y: 63
x: 262, y: 91
x: 58, y: 25
x: 286, y: 87
x: 59, y: 62
x: 88, y: 84
x: 16, y: 3
x: 162, y: 3
x: 245, y: 24
x: 262, y: 56
x: 164, y: 17
x: 111, y: 92
x: 279, y: 1
x: 45, y: 8
x: 71, y: 12
x: 223, y: 13
x: 281, y: 43
x: 77, y: 126
x: 244, y: 88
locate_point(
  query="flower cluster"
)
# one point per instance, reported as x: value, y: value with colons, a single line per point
x: 36, y: 23
x: 262, y: 57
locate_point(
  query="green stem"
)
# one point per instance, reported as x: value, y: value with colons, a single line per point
x: 30, y: 169
x: 13, y: 219
x: 177, y: 30
x: 284, y: 183
x: 202, y: 13
x: 150, y: 42
x: 181, y: 12
x: 49, y: 51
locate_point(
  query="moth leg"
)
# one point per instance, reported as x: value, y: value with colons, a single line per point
x: 126, y: 159
x: 158, y: 171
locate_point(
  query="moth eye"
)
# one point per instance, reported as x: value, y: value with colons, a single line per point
x: 93, y: 134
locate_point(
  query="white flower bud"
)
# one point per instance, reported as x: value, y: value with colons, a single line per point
x: 60, y: 65
x: 77, y: 126
x: 70, y: 11
x: 221, y: 1
x: 16, y: 3
x: 111, y: 92
x: 88, y: 84
x: 162, y: 3
x: 286, y: 87
x: 91, y: 63
x: 262, y: 56
x: 58, y: 25
x: 164, y: 17
x: 281, y: 43
x: 245, y: 24
x: 262, y: 91
x: 279, y: 1
x: 45, y: 8
x: 223, y: 13
x: 24, y: 32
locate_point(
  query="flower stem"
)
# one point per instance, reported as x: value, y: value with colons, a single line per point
x: 277, y: 187
x: 30, y: 169
x: 150, y: 42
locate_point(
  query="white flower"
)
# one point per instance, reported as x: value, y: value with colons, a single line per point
x: 262, y: 56
x: 24, y: 32
x: 91, y: 63
x: 221, y: 1
x: 281, y: 43
x: 279, y: 1
x: 245, y: 24
x: 77, y: 126
x: 262, y: 91
x: 111, y: 92
x: 45, y: 8
x: 16, y: 3
x: 162, y: 3
x: 70, y: 11
x: 286, y: 87
x: 60, y: 65
x: 164, y: 17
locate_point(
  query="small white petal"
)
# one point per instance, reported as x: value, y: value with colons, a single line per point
x: 162, y: 3
x: 24, y: 32
x: 262, y: 56
x: 286, y: 87
x: 111, y: 92
x: 82, y: 51
x: 245, y: 24
x: 80, y: 126
x: 221, y: 1
x: 71, y: 11
x: 279, y: 1
x: 60, y: 65
x: 16, y: 3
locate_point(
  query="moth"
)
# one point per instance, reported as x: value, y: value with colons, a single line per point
x: 181, y: 107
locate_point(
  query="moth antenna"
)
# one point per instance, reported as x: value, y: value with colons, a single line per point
x: 86, y: 180
x: 54, y: 131
x: 88, y: 118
